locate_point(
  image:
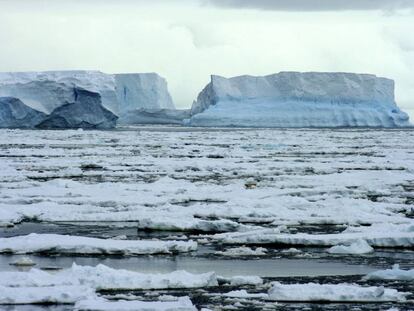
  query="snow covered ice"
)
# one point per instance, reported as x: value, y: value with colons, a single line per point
x: 103, y: 277
x: 404, y: 237
x: 80, y: 283
x: 66, y: 244
x: 44, y: 295
x: 294, y: 99
x: 358, y: 247
x: 392, y: 274
x: 99, y: 304
x: 243, y: 251
x: 332, y: 292
x: 138, y: 217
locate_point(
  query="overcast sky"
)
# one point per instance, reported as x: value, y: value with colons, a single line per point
x: 187, y: 40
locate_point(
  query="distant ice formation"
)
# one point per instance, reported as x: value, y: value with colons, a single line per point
x: 95, y: 100
x: 294, y: 99
x: 84, y: 99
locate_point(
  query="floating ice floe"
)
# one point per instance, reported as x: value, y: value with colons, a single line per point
x: 241, y: 280
x: 244, y: 294
x: 358, y: 247
x: 42, y: 179
x: 80, y: 283
x: 190, y: 224
x: 393, y: 236
x: 391, y: 274
x: 103, y: 277
x: 66, y: 244
x: 291, y: 250
x: 243, y: 251
x: 333, y: 293
x: 24, y: 261
x: 45, y: 295
x: 34, y: 278
x: 101, y: 304
x: 52, y: 187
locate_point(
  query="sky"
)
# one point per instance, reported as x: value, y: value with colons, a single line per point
x: 186, y: 41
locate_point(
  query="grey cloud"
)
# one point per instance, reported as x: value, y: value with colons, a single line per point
x: 315, y: 5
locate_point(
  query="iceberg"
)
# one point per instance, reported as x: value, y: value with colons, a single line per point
x: 295, y: 99
x: 82, y: 99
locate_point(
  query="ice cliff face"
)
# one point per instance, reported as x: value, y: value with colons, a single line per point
x: 85, y: 112
x: 293, y: 99
x: 15, y: 114
x: 119, y: 94
x: 144, y: 99
x: 45, y: 91
x: 142, y: 91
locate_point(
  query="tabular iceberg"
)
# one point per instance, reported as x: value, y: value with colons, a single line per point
x: 294, y: 99
x: 87, y: 99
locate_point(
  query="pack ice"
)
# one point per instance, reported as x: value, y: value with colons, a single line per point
x: 78, y: 99
x: 294, y: 99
